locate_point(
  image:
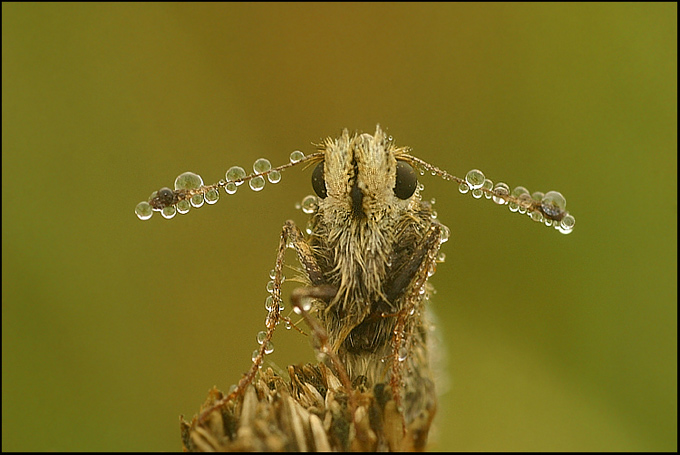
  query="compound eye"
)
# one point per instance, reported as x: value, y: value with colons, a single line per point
x: 406, y: 181
x: 318, y: 182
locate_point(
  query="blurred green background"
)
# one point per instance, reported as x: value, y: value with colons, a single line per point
x: 112, y: 327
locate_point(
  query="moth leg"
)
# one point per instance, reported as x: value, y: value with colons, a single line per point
x: 319, y: 290
x: 300, y: 300
x: 290, y: 235
x: 423, y: 260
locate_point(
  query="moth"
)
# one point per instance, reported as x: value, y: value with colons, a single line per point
x: 366, y: 255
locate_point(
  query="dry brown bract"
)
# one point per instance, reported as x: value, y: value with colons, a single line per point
x: 311, y: 412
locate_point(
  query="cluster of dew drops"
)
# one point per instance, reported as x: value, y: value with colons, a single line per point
x: 235, y: 176
x: 167, y: 202
x: 547, y: 208
x: 261, y: 336
x: 269, y: 307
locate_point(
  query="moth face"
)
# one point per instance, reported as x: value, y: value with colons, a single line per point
x: 361, y: 177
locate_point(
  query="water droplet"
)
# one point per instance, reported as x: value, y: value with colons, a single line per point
x: 441, y: 257
x: 519, y: 190
x: 230, y: 188
x: 433, y: 201
x: 183, y: 206
x: 274, y: 176
x: 553, y: 204
x: 169, y: 212
x: 305, y: 305
x: 537, y: 195
x: 525, y: 202
x: 475, y: 179
x: 269, y: 321
x: 296, y: 156
x: 488, y: 185
x: 288, y: 326
x: 188, y: 181
x: 272, y: 274
x: 143, y: 210
x: 536, y: 216
x: 431, y: 269
x: 261, y: 165
x: 257, y: 183
x: 548, y: 221
x: 445, y: 233
x: 403, y: 353
x: 235, y: 173
x: 253, y: 357
x: 477, y: 193
x: 567, y: 223
x: 513, y: 206
x: 269, y: 303
x: 197, y: 200
x: 269, y: 348
x: 309, y: 204
x: 212, y: 196
x: 270, y: 286
x: 261, y: 335
x: 434, y: 215
x: 501, y: 189
x: 420, y: 186
x: 463, y: 188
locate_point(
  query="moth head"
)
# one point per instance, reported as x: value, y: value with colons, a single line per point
x: 362, y: 177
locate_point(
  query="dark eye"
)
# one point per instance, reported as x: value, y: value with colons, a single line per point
x: 406, y: 182
x: 318, y: 182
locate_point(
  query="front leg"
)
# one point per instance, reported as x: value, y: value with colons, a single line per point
x: 290, y: 236
x: 409, y: 286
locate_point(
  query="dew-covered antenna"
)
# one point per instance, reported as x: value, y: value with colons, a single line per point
x: 190, y: 191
